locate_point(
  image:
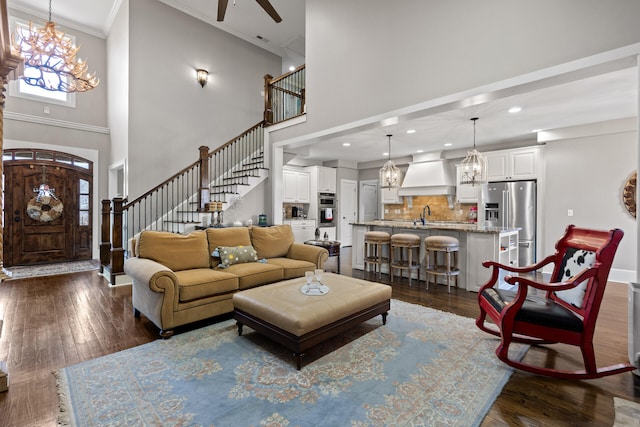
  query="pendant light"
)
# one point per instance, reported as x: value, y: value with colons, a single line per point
x: 389, y: 174
x: 50, y: 60
x: 474, y: 166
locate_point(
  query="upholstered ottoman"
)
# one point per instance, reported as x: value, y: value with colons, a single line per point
x: 284, y: 314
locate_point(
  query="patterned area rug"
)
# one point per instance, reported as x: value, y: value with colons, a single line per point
x: 51, y: 269
x: 627, y: 413
x: 424, y: 368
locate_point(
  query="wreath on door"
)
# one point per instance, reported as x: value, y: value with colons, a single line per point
x: 46, y: 206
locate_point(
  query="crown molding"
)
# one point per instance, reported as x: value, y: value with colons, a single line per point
x: 20, y: 117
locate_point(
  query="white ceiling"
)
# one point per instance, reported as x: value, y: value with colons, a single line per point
x: 601, y: 97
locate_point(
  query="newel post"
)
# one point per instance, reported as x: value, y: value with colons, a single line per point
x: 117, y: 251
x: 105, y: 235
x: 204, y: 195
x: 268, y: 108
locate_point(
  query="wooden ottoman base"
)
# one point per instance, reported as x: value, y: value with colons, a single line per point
x: 262, y: 303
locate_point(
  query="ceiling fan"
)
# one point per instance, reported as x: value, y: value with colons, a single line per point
x: 265, y: 4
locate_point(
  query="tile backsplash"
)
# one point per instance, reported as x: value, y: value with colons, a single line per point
x: 439, y: 209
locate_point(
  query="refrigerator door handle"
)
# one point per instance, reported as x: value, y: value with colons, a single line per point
x: 505, y: 209
x: 524, y: 244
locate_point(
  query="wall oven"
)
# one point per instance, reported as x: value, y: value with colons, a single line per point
x: 326, y: 209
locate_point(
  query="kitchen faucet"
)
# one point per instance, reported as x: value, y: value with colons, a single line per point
x: 423, y: 218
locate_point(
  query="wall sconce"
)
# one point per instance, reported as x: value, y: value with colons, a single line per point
x: 202, y: 76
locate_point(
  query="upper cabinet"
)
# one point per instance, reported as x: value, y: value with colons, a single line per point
x: 465, y: 193
x: 515, y: 164
x: 390, y: 196
x: 323, y: 179
x: 296, y: 186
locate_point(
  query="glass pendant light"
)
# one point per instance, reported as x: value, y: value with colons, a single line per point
x: 474, y: 166
x: 389, y: 174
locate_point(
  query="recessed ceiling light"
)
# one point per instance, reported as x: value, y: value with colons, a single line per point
x: 419, y: 151
x: 411, y: 131
x: 448, y: 144
x: 346, y: 144
x: 515, y: 109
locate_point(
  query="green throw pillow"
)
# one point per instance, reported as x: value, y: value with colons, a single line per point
x: 230, y: 255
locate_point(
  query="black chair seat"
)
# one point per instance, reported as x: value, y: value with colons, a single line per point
x: 537, y: 310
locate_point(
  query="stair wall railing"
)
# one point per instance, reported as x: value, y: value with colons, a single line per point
x: 181, y: 199
x: 284, y: 96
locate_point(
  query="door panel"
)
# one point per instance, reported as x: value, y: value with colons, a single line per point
x: 35, y: 233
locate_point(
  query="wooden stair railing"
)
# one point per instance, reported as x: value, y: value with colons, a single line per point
x: 284, y: 96
x: 181, y: 199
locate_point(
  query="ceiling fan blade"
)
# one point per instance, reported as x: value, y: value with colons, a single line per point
x: 222, y: 9
x: 266, y: 5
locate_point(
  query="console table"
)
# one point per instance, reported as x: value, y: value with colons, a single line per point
x: 332, y: 246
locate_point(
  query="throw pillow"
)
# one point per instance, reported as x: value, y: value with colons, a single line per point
x: 230, y: 255
x: 175, y: 251
x: 272, y: 242
x: 575, y: 261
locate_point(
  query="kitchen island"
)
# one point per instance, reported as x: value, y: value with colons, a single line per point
x: 477, y: 244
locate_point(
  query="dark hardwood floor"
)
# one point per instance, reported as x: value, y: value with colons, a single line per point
x: 56, y: 321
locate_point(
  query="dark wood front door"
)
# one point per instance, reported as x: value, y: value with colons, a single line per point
x: 50, y: 226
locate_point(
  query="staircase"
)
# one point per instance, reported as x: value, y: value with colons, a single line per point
x: 211, y: 185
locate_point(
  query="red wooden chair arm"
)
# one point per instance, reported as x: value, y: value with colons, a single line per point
x: 496, y: 266
x: 525, y: 269
x: 555, y: 286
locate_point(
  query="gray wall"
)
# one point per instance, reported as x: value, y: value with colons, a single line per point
x: 170, y: 115
x: 396, y: 54
x: 587, y: 174
x: 118, y: 75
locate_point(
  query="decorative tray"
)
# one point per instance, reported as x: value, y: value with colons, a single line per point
x: 314, y: 289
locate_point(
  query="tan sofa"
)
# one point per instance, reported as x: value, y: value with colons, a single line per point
x: 176, y: 280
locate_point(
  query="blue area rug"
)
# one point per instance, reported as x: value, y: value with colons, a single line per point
x: 424, y: 368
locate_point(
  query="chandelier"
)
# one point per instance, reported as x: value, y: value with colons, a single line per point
x: 474, y: 166
x: 50, y: 60
x: 389, y: 174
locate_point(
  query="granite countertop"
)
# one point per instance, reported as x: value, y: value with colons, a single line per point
x: 441, y: 225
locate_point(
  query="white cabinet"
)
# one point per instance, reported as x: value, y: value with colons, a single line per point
x: 390, y: 195
x: 501, y: 247
x: 323, y: 179
x: 465, y: 193
x: 303, y: 230
x: 296, y: 186
x: 509, y: 165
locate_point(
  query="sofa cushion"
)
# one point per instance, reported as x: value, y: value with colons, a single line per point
x: 292, y: 267
x: 253, y: 274
x: 233, y: 236
x: 203, y: 282
x: 272, y: 242
x: 230, y: 255
x: 175, y: 251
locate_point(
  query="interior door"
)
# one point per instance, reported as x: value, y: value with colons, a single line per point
x: 368, y: 201
x: 49, y: 229
x: 348, y: 201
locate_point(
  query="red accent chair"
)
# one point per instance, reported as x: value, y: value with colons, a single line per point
x: 566, y: 314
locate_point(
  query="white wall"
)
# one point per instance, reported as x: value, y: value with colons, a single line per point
x: 587, y: 174
x: 170, y: 115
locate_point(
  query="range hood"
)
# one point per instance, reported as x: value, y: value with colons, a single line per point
x: 429, y: 178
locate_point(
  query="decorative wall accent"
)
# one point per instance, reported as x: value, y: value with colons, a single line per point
x: 629, y: 194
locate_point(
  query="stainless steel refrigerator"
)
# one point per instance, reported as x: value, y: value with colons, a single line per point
x: 510, y: 205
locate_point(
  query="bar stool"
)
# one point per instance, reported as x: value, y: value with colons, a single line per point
x: 374, y: 242
x: 405, y: 254
x: 448, y: 265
